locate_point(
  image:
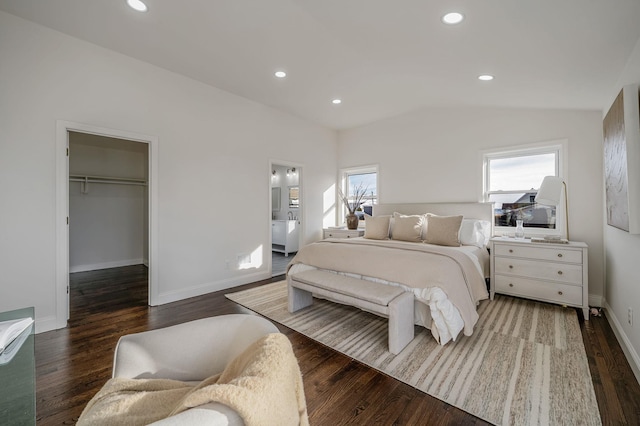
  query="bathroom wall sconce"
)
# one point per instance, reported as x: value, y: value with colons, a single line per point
x: 291, y: 171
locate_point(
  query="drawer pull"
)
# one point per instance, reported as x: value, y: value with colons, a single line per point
x: 560, y: 293
x: 510, y: 251
x: 510, y: 266
x: 559, y: 272
x: 559, y: 254
x: 348, y: 236
x: 510, y: 284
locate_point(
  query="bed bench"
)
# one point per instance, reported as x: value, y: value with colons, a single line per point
x: 385, y: 300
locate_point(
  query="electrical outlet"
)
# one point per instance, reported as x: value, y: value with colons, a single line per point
x: 630, y: 316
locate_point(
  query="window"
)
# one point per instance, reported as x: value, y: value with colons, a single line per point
x: 365, y: 179
x: 512, y: 178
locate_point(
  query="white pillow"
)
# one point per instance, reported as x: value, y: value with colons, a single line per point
x: 475, y: 232
x: 485, y: 225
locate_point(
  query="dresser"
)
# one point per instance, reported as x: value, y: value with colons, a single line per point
x: 549, y: 272
x: 342, y: 233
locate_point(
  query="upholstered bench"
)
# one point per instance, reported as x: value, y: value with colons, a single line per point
x: 385, y: 300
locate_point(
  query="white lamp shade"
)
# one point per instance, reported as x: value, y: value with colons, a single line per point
x: 550, y: 192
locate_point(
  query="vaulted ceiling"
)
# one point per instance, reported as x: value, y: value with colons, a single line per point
x: 380, y: 57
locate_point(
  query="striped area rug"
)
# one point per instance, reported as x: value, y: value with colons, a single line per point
x: 525, y: 363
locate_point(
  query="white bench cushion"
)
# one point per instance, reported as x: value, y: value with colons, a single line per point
x: 376, y: 293
x: 388, y: 301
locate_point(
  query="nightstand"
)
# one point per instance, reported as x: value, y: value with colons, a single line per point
x: 342, y: 233
x: 549, y: 272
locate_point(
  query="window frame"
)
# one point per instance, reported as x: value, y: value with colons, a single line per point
x: 344, y: 178
x: 557, y: 147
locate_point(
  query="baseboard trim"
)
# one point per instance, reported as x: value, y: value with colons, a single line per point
x: 174, y: 296
x: 625, y: 343
x: 105, y: 265
x: 46, y: 324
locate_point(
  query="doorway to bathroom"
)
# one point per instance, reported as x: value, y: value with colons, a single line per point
x: 286, y: 212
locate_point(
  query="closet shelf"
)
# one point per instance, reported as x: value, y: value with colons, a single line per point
x: 85, y: 180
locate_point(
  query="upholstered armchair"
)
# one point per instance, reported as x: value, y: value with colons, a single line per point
x: 190, y: 352
x: 237, y: 353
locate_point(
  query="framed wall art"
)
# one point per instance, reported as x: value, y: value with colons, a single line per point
x: 621, y: 131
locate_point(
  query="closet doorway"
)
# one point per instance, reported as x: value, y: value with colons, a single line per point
x: 65, y: 130
x: 108, y: 218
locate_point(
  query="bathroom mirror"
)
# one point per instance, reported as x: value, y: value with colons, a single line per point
x: 294, y: 199
x: 275, y: 199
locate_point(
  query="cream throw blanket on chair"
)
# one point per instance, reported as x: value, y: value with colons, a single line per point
x: 263, y: 385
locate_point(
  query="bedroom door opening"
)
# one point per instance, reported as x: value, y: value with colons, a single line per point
x: 286, y: 205
x: 106, y: 213
x: 108, y: 219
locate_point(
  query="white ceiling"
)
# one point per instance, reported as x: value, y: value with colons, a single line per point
x: 381, y: 57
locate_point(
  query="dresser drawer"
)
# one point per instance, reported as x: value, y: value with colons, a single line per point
x: 540, y: 290
x: 554, y: 271
x: 555, y: 254
x: 343, y: 233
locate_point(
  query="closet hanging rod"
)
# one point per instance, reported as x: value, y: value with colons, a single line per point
x: 107, y: 179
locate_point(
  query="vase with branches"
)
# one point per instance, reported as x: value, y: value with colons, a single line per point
x: 357, y: 198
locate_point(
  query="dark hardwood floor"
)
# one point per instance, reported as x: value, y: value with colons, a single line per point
x: 72, y: 364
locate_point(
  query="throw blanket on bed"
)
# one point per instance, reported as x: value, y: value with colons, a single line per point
x: 263, y: 385
x: 444, y: 278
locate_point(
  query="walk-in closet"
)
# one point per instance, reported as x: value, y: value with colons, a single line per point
x: 108, y: 205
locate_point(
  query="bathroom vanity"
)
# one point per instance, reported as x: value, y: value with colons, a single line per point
x: 284, y: 236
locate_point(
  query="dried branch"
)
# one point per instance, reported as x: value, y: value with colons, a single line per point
x: 359, y: 193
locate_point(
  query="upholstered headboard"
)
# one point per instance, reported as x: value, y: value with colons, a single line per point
x: 483, y: 211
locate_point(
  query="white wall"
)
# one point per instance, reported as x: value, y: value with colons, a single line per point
x: 434, y: 155
x: 108, y: 222
x: 622, y: 254
x: 207, y: 138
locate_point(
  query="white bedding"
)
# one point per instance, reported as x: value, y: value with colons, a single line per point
x: 433, y: 308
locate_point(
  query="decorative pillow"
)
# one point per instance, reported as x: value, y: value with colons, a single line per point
x: 424, y: 223
x: 443, y: 230
x: 407, y: 228
x: 376, y: 227
x: 475, y: 232
x: 485, y: 227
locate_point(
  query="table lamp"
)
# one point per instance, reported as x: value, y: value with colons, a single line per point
x: 550, y: 194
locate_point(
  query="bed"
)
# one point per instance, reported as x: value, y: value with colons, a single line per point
x: 437, y: 251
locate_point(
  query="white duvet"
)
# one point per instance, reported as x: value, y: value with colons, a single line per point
x: 433, y: 308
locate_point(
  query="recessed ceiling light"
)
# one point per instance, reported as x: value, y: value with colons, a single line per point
x: 485, y: 77
x: 280, y: 74
x: 137, y: 5
x: 336, y: 101
x: 452, y: 18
